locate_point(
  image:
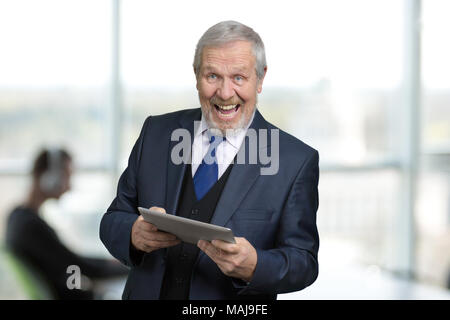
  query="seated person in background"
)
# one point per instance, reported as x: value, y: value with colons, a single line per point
x: 34, y: 242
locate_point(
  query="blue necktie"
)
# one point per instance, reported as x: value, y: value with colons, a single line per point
x: 208, y: 171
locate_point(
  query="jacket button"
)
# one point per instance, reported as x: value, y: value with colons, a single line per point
x: 183, y: 256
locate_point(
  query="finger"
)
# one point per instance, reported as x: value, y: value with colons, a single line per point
x: 162, y: 244
x: 147, y: 227
x: 144, y: 237
x: 158, y: 209
x: 158, y: 236
x: 218, y: 256
x: 142, y: 224
x: 147, y: 248
x: 226, y: 246
x: 211, y: 251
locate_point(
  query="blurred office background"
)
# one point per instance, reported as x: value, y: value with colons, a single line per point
x: 366, y: 82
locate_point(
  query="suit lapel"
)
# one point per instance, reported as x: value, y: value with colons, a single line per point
x: 176, y: 172
x: 241, y: 179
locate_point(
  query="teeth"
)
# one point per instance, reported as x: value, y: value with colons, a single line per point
x: 231, y: 106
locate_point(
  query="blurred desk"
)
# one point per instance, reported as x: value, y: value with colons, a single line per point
x: 109, y: 289
x: 364, y: 283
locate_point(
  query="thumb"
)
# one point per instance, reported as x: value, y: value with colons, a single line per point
x: 158, y: 209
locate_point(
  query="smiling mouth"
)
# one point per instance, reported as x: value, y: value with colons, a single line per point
x: 228, y: 110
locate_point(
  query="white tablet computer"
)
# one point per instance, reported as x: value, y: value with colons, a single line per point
x: 185, y: 229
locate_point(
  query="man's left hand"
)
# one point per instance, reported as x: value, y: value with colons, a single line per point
x: 236, y: 260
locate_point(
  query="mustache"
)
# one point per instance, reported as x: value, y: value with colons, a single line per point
x: 218, y: 101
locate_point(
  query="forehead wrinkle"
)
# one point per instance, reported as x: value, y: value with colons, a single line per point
x: 217, y: 58
x: 241, y: 67
x: 233, y: 68
x: 236, y: 60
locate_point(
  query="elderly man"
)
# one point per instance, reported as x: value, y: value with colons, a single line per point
x: 272, y: 215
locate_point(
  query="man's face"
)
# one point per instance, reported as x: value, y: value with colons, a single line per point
x: 227, y: 85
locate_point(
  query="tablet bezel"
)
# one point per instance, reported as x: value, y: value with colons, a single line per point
x: 187, y: 230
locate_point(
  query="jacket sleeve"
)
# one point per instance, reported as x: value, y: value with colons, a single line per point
x: 117, y: 222
x: 292, y: 265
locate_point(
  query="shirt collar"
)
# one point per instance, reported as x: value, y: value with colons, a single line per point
x: 234, y: 140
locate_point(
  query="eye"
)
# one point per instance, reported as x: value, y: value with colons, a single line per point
x: 212, y: 76
x: 238, y: 78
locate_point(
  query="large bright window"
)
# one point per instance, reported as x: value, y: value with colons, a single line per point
x: 433, y: 202
x: 55, y: 70
x: 54, y: 78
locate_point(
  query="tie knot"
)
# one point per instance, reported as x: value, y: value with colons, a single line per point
x: 218, y: 138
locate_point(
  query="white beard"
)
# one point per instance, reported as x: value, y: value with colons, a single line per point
x: 229, y: 132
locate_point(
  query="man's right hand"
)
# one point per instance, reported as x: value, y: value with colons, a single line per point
x: 146, y: 237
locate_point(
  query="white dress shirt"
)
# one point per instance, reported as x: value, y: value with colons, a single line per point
x: 225, y: 152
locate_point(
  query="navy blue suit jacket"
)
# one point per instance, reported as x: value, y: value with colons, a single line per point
x: 275, y: 213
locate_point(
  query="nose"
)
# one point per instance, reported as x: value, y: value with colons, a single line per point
x: 226, y: 90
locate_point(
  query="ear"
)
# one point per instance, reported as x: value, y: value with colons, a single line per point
x: 260, y: 81
x: 196, y: 78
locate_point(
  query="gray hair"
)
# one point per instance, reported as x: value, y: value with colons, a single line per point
x: 229, y: 31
